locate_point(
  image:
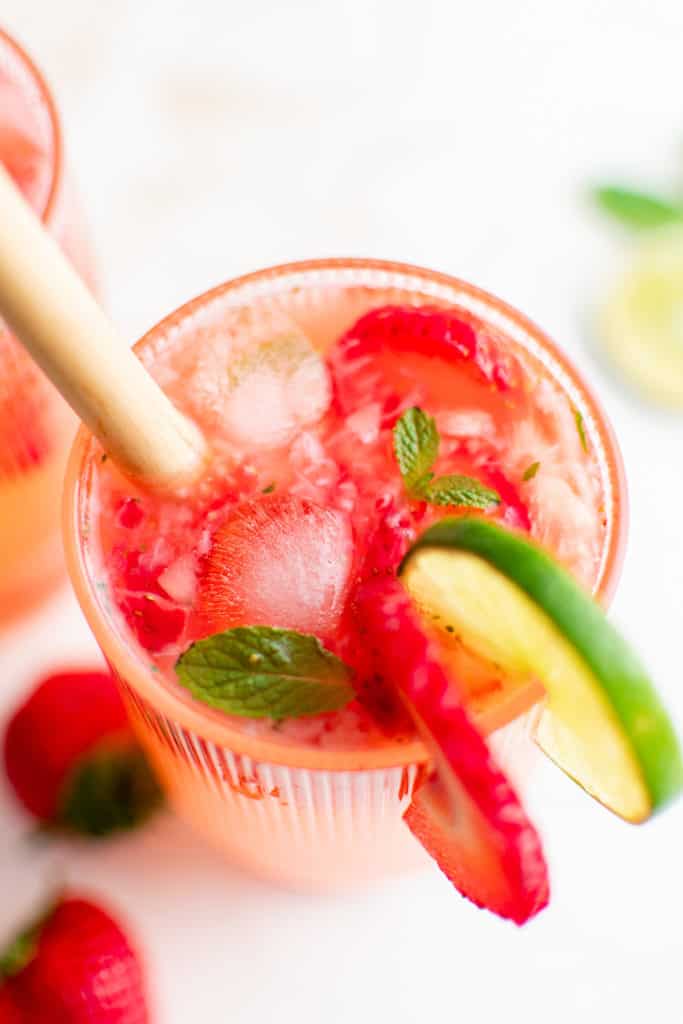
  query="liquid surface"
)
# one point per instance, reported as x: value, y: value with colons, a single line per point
x: 293, y: 415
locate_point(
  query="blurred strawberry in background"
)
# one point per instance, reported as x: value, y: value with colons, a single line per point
x: 72, y: 759
x: 74, y: 965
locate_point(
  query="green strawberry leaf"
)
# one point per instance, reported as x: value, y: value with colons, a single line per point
x: 531, y: 471
x: 24, y: 946
x: 636, y: 209
x: 416, y: 446
x: 110, y: 789
x: 459, y: 490
x: 265, y: 672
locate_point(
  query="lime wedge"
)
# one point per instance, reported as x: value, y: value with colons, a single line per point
x: 641, y: 324
x: 510, y: 602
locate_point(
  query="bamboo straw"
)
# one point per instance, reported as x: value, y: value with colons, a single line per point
x: 51, y: 312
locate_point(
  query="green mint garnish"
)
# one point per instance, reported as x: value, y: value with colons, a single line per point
x: 531, y: 471
x: 265, y: 672
x: 637, y: 209
x: 459, y: 490
x: 581, y: 429
x: 416, y: 446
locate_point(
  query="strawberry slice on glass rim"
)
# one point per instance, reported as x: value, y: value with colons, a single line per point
x: 466, y: 814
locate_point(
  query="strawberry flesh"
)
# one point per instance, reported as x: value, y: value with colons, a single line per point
x: 466, y: 814
x: 364, y: 360
x: 10, y: 1011
x: 153, y: 619
x: 81, y: 969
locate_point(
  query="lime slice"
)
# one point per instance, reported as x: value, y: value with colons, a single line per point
x: 641, y: 324
x: 510, y: 602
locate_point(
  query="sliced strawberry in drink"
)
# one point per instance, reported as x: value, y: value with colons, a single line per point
x: 277, y: 561
x: 466, y: 815
x: 383, y: 356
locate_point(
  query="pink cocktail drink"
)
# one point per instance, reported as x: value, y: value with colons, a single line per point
x: 298, y: 376
x: 36, y: 425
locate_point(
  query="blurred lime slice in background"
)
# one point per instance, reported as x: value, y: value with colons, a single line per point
x: 640, y: 325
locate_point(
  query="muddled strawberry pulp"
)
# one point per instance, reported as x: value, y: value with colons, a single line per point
x: 298, y: 397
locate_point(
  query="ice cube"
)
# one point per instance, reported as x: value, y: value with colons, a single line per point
x: 251, y: 378
x: 277, y: 389
x: 179, y: 580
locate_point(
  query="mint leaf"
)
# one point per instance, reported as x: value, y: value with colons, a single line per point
x: 459, y: 490
x: 416, y: 446
x: 580, y: 428
x: 531, y: 471
x: 265, y: 672
x: 636, y: 209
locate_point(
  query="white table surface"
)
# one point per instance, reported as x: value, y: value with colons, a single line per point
x: 211, y: 138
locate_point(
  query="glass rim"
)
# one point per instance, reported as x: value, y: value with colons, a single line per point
x: 211, y: 724
x: 46, y: 214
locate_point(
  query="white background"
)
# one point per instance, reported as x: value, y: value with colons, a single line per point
x: 215, y: 138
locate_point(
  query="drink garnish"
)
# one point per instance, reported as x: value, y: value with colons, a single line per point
x: 465, y: 813
x: 636, y: 209
x: 265, y: 672
x: 416, y: 446
x: 604, y: 724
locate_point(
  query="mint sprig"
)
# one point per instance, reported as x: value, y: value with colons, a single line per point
x: 416, y: 446
x: 265, y: 672
x: 637, y: 209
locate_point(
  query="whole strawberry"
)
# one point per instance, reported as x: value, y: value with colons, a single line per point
x: 73, y: 966
x: 73, y: 760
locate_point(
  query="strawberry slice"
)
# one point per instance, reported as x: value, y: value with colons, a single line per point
x: 466, y: 815
x: 278, y: 561
x: 365, y: 368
